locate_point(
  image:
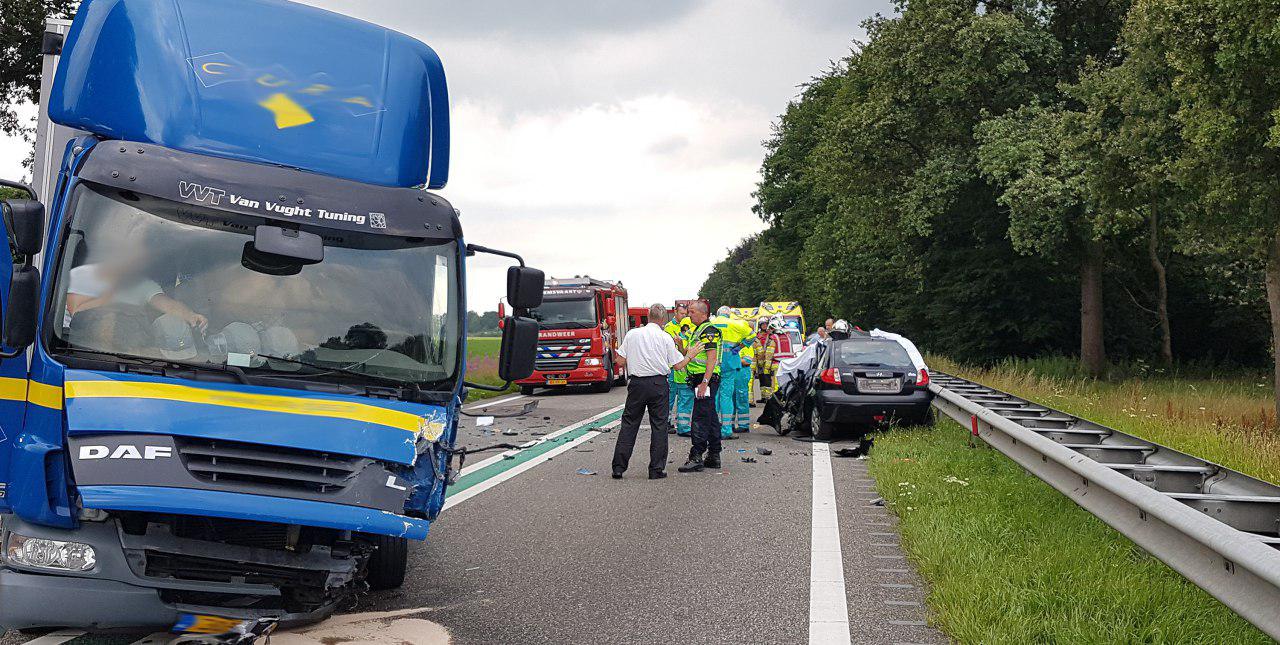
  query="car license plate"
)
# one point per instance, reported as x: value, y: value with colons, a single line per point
x: 205, y: 624
x: 557, y: 381
x: 880, y: 385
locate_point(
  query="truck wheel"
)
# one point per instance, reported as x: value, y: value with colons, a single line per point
x: 526, y: 390
x: 388, y: 564
x: 607, y: 383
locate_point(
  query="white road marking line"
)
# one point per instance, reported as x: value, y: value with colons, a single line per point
x: 828, y: 605
x: 155, y: 639
x: 485, y: 404
x: 56, y: 637
x: 503, y: 455
x: 544, y: 457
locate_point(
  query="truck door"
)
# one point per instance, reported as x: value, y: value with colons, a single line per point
x: 13, y: 382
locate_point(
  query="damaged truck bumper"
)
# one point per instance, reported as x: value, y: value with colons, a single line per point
x: 237, y: 556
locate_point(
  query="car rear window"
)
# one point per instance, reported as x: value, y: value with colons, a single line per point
x: 872, y: 352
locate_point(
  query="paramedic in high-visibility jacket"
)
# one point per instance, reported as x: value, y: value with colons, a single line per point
x: 704, y: 381
x: 680, y: 401
x: 734, y: 410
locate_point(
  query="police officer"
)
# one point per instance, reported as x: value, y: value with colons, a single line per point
x: 704, y: 381
x: 680, y: 401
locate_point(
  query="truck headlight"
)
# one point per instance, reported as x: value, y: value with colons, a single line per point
x: 50, y: 554
x: 591, y: 362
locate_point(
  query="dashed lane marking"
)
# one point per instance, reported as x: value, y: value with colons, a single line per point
x: 828, y: 605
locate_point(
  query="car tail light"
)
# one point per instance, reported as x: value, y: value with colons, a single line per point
x: 923, y: 379
x: 831, y: 376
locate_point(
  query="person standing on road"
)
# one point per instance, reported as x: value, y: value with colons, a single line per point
x: 704, y: 379
x: 681, y: 397
x: 648, y: 355
x: 735, y: 335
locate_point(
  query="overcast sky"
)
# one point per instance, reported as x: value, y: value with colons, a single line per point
x: 614, y: 138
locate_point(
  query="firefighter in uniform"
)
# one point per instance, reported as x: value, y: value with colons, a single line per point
x: 680, y: 400
x: 767, y: 366
x: 735, y: 335
x: 704, y: 382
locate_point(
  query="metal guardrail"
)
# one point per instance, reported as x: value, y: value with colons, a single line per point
x: 1217, y: 527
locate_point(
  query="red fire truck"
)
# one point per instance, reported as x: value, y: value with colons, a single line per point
x: 582, y: 321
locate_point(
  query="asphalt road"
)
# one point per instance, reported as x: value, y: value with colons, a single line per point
x: 532, y: 550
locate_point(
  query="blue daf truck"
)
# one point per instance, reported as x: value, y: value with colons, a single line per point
x: 234, y: 330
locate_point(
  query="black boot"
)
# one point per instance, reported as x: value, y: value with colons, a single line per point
x: 712, y: 462
x: 693, y: 465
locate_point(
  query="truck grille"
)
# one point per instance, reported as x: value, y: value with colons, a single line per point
x: 561, y: 355
x: 270, y: 468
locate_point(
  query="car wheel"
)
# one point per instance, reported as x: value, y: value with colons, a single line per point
x: 526, y: 390
x: 927, y: 419
x: 784, y: 424
x: 820, y: 429
x: 388, y: 563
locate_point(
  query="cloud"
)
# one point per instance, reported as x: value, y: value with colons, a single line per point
x: 614, y: 138
x: 600, y: 190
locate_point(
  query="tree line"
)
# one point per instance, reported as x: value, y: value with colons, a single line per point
x: 1011, y: 178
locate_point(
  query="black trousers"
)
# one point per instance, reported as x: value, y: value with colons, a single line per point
x: 706, y: 422
x: 644, y: 392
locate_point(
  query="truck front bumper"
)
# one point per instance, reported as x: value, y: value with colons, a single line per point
x: 581, y: 376
x: 113, y: 594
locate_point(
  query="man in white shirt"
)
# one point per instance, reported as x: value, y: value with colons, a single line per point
x: 649, y: 354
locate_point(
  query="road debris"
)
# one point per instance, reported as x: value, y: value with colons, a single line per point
x: 484, y: 421
x: 764, y: 451
x: 586, y: 471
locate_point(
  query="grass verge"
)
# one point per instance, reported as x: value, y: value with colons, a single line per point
x: 482, y: 367
x: 1010, y: 560
x: 1226, y: 419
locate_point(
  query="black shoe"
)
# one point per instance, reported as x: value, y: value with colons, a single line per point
x: 671, y: 431
x: 661, y: 474
x: 691, y: 466
x: 617, y: 473
x: 728, y: 438
x: 741, y: 430
x: 711, y: 462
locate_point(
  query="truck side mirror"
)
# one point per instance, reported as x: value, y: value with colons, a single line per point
x: 519, y: 347
x: 20, y: 316
x: 524, y: 288
x: 24, y: 218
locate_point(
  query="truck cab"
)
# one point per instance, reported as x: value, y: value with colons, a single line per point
x: 581, y: 321
x: 233, y: 341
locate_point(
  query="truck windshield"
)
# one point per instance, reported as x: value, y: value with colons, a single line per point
x: 146, y: 277
x: 566, y: 314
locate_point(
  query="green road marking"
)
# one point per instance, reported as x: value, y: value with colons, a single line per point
x: 497, y: 468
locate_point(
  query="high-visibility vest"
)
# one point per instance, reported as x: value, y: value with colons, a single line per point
x: 735, y: 333
x: 709, y: 335
x: 680, y: 330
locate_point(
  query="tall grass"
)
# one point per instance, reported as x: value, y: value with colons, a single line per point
x: 482, y: 366
x: 1225, y: 418
x: 1010, y: 560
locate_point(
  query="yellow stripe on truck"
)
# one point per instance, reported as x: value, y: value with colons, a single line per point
x: 246, y: 401
x: 41, y: 394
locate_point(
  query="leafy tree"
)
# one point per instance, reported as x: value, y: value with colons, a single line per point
x: 21, y: 32
x: 1220, y: 57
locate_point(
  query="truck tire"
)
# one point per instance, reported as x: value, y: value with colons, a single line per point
x: 607, y: 384
x: 388, y: 563
x: 526, y: 390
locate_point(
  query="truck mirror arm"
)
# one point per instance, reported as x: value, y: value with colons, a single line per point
x: 17, y: 185
x: 473, y: 249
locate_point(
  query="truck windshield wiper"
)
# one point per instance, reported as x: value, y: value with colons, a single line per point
x: 146, y: 360
x: 343, y: 370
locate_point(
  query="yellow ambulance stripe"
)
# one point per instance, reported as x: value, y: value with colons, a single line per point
x: 245, y: 401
